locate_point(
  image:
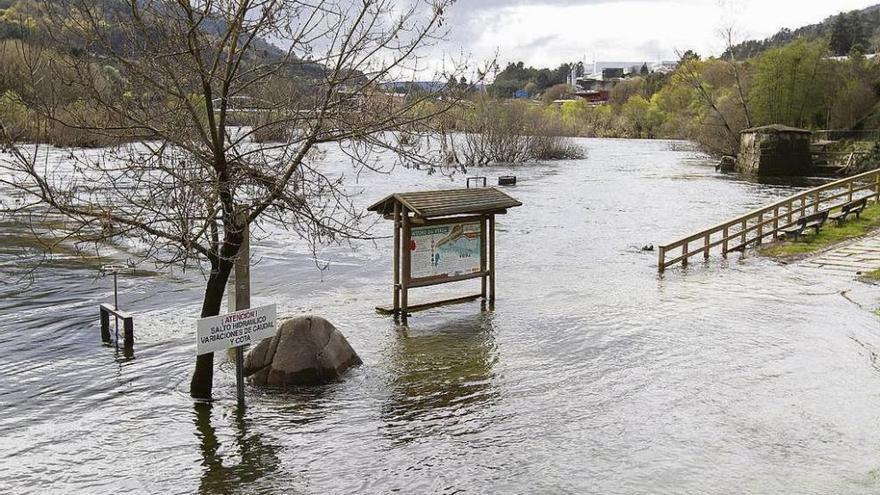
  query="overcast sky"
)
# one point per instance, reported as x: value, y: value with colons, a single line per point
x: 545, y: 33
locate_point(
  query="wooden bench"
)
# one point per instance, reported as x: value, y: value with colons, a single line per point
x: 853, y: 207
x: 814, y: 221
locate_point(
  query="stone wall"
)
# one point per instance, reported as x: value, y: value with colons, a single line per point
x: 775, y: 150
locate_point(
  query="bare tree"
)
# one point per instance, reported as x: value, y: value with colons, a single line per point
x: 172, y: 78
x: 728, y: 33
x: 689, y: 74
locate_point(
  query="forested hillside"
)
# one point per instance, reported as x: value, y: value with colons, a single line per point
x: 21, y: 20
x: 855, y: 30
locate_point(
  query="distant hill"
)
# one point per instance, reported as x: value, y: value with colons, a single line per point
x: 16, y: 23
x: 858, y: 29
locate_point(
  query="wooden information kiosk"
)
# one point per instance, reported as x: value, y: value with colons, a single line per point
x: 441, y: 237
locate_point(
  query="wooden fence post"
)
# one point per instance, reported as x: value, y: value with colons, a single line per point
x: 661, y: 258
x: 760, y: 228
x: 877, y: 186
x: 775, y: 223
x: 128, y: 334
x: 706, y: 243
x: 725, y: 233
x: 105, y: 324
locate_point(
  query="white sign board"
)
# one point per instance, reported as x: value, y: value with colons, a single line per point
x: 443, y: 251
x: 248, y: 326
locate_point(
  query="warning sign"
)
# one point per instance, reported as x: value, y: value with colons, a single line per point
x: 248, y: 326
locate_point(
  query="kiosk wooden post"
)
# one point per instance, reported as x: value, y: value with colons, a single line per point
x: 396, y: 288
x: 447, y: 230
x: 492, y: 259
x: 405, y: 266
x: 483, y: 225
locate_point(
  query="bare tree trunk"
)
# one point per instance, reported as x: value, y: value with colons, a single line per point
x: 203, y: 377
x: 202, y: 382
x: 734, y: 64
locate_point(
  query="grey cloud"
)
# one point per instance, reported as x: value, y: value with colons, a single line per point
x: 539, y: 42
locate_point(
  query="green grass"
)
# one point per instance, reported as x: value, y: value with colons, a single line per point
x: 830, y: 235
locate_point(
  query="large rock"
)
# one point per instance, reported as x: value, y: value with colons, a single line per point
x: 727, y: 164
x: 306, y: 350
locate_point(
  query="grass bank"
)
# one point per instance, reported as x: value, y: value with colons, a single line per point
x: 829, y: 236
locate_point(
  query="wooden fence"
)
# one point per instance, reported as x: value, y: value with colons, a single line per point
x: 755, y: 227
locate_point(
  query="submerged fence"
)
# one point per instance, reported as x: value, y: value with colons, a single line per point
x: 755, y: 227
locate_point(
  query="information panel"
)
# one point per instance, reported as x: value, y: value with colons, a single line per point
x: 248, y: 326
x: 442, y: 251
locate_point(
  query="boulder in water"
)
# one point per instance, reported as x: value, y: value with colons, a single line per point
x: 727, y: 164
x: 307, y: 350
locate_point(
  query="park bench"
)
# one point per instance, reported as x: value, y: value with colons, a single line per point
x: 814, y: 221
x: 853, y: 207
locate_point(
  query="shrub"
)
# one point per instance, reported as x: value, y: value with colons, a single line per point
x: 512, y: 132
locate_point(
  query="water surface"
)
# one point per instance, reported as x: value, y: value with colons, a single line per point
x: 592, y: 375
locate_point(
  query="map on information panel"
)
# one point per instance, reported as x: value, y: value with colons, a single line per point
x: 442, y: 251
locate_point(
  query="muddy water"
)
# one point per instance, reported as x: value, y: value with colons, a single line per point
x: 592, y: 374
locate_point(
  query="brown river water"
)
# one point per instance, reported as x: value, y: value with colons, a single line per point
x: 593, y: 374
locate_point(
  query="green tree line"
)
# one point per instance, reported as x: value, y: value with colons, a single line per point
x: 711, y: 100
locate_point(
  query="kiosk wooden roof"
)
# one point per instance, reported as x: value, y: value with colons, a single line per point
x: 448, y: 202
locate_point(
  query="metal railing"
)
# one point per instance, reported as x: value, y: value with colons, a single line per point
x: 755, y: 227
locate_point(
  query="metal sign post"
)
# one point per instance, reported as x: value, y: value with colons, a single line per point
x: 106, y: 311
x: 240, y: 298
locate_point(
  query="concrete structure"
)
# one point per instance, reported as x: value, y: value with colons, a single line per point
x: 775, y: 150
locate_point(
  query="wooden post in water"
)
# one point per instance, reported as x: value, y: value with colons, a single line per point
x: 726, y: 234
x: 406, y: 266
x: 491, y: 259
x: 684, y: 253
x: 760, y: 228
x: 775, y: 223
x: 105, y: 325
x: 484, y: 224
x: 396, y: 278
x: 239, y: 298
x: 661, y: 258
x: 128, y: 335
x: 706, y: 243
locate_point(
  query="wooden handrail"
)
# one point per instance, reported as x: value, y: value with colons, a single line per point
x: 757, y: 225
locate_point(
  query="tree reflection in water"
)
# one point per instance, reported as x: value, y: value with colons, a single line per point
x: 250, y: 467
x: 437, y: 373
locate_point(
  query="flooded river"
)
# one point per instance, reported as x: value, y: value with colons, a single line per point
x: 592, y: 375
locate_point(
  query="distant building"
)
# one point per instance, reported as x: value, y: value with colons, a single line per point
x: 596, y: 87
